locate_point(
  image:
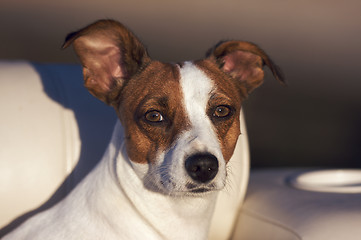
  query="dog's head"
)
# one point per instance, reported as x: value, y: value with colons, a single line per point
x: 181, y: 121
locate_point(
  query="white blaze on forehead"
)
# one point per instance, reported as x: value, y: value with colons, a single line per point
x: 197, y: 88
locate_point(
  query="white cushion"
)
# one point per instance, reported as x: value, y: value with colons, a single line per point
x: 46, y: 116
x: 274, y: 210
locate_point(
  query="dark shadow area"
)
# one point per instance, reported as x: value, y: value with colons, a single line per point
x: 301, y: 127
x: 95, y: 120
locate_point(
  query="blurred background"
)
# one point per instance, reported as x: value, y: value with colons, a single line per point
x: 315, y: 121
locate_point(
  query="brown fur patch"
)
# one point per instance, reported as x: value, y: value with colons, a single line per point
x: 156, y: 88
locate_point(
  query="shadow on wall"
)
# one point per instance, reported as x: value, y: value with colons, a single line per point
x: 302, y: 127
x: 95, y: 121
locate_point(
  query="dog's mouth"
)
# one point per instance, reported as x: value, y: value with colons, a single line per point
x: 201, y: 190
x: 189, y: 189
x: 194, y: 188
x: 197, y: 192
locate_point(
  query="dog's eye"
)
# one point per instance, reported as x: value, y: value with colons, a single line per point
x: 221, y: 112
x: 154, y: 116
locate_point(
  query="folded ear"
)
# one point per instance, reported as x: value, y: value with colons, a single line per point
x: 244, y: 61
x: 110, y: 54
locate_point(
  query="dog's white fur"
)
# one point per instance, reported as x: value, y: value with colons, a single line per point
x: 112, y: 202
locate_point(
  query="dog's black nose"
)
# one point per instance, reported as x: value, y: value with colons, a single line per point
x: 202, y: 167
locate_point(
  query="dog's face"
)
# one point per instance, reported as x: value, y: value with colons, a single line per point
x: 181, y: 121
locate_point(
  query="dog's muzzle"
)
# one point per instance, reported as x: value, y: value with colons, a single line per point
x: 202, y: 167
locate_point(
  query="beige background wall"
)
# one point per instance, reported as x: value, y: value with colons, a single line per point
x: 316, y: 121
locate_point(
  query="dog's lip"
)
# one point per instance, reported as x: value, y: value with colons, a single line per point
x: 194, y: 192
x: 201, y: 190
x: 193, y: 187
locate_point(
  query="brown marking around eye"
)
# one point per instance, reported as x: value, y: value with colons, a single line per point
x: 156, y: 88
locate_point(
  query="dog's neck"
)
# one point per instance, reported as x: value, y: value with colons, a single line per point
x: 168, y: 217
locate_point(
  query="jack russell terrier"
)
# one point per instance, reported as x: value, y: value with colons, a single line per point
x: 177, y: 130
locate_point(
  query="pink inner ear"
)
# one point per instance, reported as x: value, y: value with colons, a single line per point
x: 102, y: 66
x: 117, y: 72
x: 242, y: 65
x: 111, y: 61
x: 228, y: 63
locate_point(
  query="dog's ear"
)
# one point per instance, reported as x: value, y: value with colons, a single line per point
x: 110, y: 54
x: 243, y: 61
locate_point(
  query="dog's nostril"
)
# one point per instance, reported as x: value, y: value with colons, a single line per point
x: 202, y: 167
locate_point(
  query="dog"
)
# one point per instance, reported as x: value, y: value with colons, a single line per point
x: 177, y: 128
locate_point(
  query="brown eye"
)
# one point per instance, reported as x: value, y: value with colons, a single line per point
x: 154, y: 116
x: 222, y: 111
